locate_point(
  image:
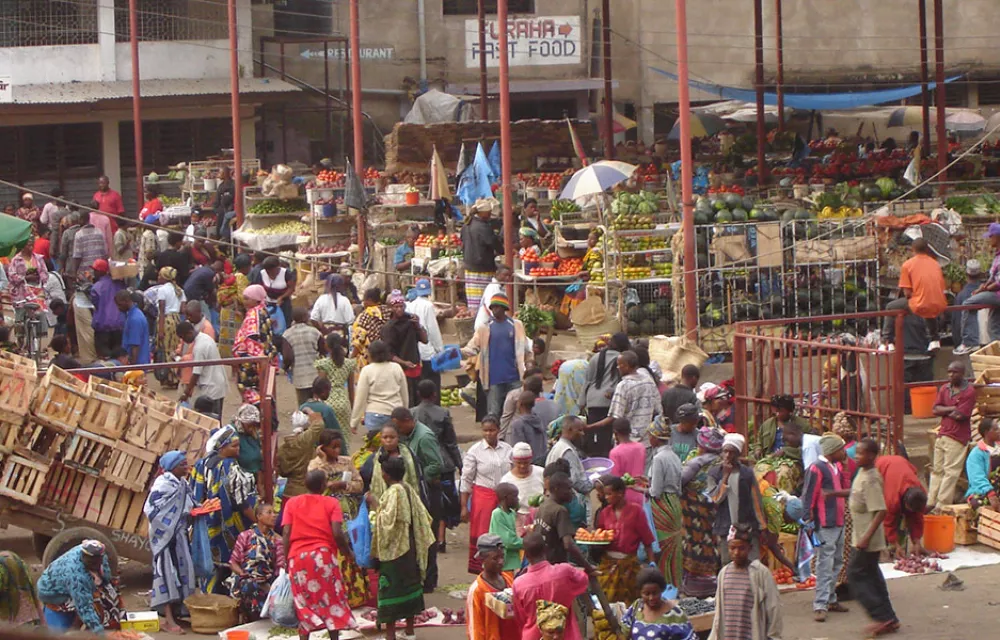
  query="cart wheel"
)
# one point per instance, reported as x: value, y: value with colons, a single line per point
x: 38, y: 542
x: 66, y: 540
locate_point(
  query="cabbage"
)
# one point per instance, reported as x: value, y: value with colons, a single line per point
x: 886, y: 186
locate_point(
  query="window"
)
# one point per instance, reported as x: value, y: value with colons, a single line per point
x: 471, y: 7
x: 36, y: 23
x: 167, y: 142
x: 50, y: 151
x: 174, y: 20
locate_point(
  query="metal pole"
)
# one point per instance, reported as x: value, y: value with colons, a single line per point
x: 327, y: 122
x: 133, y: 28
x: 780, y: 79
x: 509, y: 232
x: 484, y: 102
x: 758, y: 35
x: 925, y: 96
x: 687, y: 195
x: 939, y: 97
x: 357, y: 123
x: 609, y: 136
x: 234, y: 89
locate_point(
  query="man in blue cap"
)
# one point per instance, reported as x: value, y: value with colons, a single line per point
x: 989, y: 292
x: 424, y: 310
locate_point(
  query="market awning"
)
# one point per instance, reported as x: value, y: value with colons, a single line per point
x: 810, y: 101
x: 91, y: 92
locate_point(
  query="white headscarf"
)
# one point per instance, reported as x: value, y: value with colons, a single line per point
x: 734, y: 440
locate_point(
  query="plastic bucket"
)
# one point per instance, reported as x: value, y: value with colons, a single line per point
x: 237, y: 634
x: 412, y: 198
x: 939, y: 533
x: 922, y: 401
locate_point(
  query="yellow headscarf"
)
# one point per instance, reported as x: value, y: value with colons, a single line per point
x: 135, y: 379
x: 168, y: 273
x: 550, y: 616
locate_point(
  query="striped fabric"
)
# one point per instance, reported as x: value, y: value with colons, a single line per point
x: 737, y: 610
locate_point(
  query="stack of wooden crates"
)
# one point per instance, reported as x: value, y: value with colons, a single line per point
x: 88, y: 449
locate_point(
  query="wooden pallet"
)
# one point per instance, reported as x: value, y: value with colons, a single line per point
x: 58, y: 492
x: 87, y: 452
x: 107, y: 408
x: 18, y: 382
x: 23, y: 479
x: 191, y: 431
x: 40, y: 441
x: 60, y: 399
x: 150, y: 422
x: 989, y: 527
x: 129, y: 466
x: 108, y: 505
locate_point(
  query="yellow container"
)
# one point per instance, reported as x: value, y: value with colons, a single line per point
x: 144, y: 621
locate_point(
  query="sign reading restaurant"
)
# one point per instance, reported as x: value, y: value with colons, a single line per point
x: 533, y: 41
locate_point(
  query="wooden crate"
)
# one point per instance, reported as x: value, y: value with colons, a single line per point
x: 108, y: 505
x: 87, y: 451
x: 107, y: 408
x: 787, y: 543
x: 150, y: 422
x: 10, y: 429
x: 23, y: 479
x: 965, y: 522
x: 989, y: 527
x: 986, y: 358
x: 40, y: 441
x: 191, y: 431
x: 61, y: 487
x: 18, y: 382
x: 129, y: 466
x: 60, y: 399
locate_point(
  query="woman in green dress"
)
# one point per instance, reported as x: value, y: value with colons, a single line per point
x: 339, y: 370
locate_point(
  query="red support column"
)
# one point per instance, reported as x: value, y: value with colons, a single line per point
x: 509, y: 232
x: 925, y: 96
x: 133, y: 28
x: 939, y: 90
x: 609, y: 105
x: 780, y: 78
x: 687, y: 194
x: 484, y: 102
x: 356, y: 117
x: 234, y: 89
x: 758, y: 33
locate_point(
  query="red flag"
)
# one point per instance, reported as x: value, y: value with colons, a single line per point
x: 577, y: 146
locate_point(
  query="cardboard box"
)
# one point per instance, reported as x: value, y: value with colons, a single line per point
x: 144, y: 621
x: 124, y: 270
x: 499, y: 607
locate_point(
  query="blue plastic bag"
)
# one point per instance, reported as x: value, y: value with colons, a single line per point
x: 805, y: 549
x: 279, y: 605
x: 648, y: 508
x: 447, y: 360
x: 201, y: 550
x: 359, y: 530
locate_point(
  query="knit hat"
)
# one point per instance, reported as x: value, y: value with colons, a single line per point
x: 521, y: 451
x: 396, y: 297
x: 92, y: 548
x: 734, y: 440
x: 500, y: 300
x: 170, y: 460
x: 831, y: 443
x: 660, y: 428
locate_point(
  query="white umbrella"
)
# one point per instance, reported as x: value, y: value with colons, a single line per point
x: 597, y: 178
x: 965, y: 121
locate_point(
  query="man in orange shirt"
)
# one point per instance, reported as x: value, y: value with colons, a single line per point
x: 922, y: 284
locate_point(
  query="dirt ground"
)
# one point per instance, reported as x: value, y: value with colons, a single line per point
x: 926, y: 611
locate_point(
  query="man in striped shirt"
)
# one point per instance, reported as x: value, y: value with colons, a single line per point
x: 747, y: 596
x: 636, y: 398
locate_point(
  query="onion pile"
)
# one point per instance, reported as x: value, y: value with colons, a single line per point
x: 920, y: 564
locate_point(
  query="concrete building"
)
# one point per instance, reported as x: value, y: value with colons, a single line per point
x: 66, y: 114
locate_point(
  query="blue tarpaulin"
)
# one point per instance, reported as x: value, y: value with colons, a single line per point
x: 476, y: 179
x: 811, y: 101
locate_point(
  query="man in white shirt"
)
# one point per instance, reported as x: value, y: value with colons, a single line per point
x: 332, y: 311
x: 424, y: 309
x: 499, y: 285
x: 210, y: 380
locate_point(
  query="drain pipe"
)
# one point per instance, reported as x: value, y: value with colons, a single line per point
x: 422, y: 28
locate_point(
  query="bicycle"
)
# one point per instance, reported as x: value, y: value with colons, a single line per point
x: 32, y: 332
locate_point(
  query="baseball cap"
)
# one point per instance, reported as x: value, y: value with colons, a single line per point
x: 423, y: 287
x: 100, y: 265
x: 487, y: 542
x: 686, y: 411
x: 994, y: 230
x: 973, y: 268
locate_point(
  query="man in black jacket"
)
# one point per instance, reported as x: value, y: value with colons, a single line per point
x: 481, y: 247
x: 438, y: 419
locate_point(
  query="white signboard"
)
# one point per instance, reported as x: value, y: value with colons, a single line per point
x: 6, y: 90
x: 339, y: 53
x: 536, y: 41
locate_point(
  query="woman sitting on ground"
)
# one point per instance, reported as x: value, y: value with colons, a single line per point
x: 256, y: 558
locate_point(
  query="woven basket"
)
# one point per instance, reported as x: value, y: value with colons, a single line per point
x: 986, y: 358
x: 212, y: 613
x: 588, y: 334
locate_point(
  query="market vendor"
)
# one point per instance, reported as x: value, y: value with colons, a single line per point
x: 528, y: 238
x: 78, y: 591
x: 905, y: 501
x: 533, y: 219
x: 481, y: 246
x: 404, y: 252
x: 620, y: 566
x: 982, y: 488
x: 771, y: 436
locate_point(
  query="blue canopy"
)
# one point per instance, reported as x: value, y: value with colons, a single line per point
x: 811, y: 101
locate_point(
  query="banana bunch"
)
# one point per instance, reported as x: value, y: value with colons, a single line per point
x: 829, y: 213
x: 602, y: 628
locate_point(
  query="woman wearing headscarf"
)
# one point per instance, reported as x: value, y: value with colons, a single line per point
x: 701, y: 555
x: 367, y: 327
x: 401, y: 537
x: 78, y: 589
x: 664, y: 499
x: 230, y: 298
x: 332, y: 311
x: 253, y: 339
x: 403, y: 333
x: 19, y: 604
x: 167, y: 508
x: 716, y: 406
x: 247, y: 425
x: 528, y: 238
x: 570, y: 391
x: 219, y: 475
x: 391, y: 447
x: 257, y: 556
x: 168, y: 298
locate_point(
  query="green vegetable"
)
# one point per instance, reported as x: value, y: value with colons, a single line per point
x: 277, y: 207
x: 886, y: 186
x: 535, y: 501
x: 962, y: 205
x: 533, y: 319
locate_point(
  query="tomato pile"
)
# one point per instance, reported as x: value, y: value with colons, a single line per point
x: 370, y: 175
x: 808, y: 584
x: 783, y: 575
x: 543, y: 180
x: 598, y: 535
x: 329, y: 176
x: 543, y: 271
x: 737, y: 189
x: 530, y: 255
x: 570, y: 266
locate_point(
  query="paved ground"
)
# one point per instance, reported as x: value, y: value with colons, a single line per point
x: 926, y: 611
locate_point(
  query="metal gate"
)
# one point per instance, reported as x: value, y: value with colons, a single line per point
x: 826, y: 375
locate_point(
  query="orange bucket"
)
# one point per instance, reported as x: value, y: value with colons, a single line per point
x: 939, y: 533
x: 237, y: 635
x: 412, y: 198
x: 922, y: 401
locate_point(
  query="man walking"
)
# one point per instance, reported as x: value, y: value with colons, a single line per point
x: 107, y: 201
x: 954, y: 405
x: 209, y: 380
x: 749, y: 605
x: 135, y: 329
x: 560, y: 583
x: 500, y: 345
x: 636, y: 398
x: 300, y: 350
x: 424, y: 310
x: 108, y: 317
x: 868, y: 539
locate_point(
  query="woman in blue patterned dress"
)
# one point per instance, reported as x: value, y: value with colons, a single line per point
x: 653, y: 618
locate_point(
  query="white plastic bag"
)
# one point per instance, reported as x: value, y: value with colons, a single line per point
x: 279, y: 605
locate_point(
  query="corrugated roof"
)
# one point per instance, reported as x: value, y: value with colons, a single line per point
x: 83, y: 92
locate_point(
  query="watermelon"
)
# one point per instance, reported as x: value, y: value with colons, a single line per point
x: 788, y: 216
x: 803, y: 214
x: 724, y: 217
x: 733, y: 201
x: 649, y: 311
x: 632, y: 328
x: 739, y: 215
x: 700, y: 217
x: 754, y: 214
x: 720, y: 204
x: 634, y: 314
x: 646, y: 328
x: 748, y: 203
x: 703, y: 205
